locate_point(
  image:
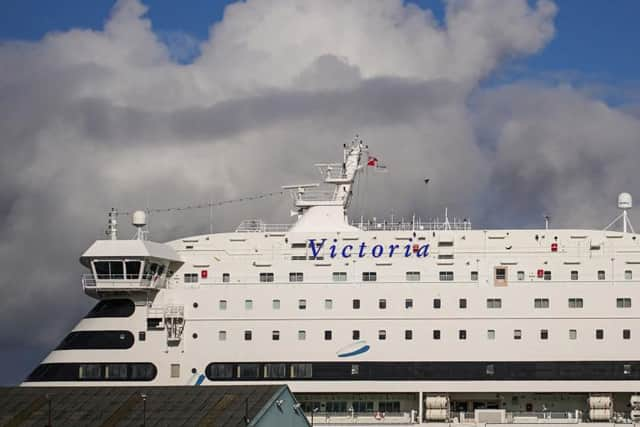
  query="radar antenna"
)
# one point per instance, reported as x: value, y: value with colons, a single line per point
x: 625, y: 202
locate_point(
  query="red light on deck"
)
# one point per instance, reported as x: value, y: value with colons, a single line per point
x: 204, y: 274
x: 554, y: 247
x: 540, y: 273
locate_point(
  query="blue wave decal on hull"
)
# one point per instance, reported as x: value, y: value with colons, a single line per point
x: 354, y: 349
x: 200, y: 379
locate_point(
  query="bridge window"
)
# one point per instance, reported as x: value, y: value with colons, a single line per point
x: 133, y: 269
x: 109, y: 270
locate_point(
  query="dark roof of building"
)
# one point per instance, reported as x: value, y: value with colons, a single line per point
x: 124, y: 406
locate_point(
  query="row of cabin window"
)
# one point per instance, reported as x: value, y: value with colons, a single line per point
x: 408, y: 334
x: 130, y: 270
x: 410, y: 276
x: 437, y: 303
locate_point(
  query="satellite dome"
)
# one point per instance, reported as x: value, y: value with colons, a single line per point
x: 139, y: 219
x: 625, y: 201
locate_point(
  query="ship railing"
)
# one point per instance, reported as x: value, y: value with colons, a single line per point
x: 119, y: 281
x: 324, y: 418
x: 418, y: 225
x: 316, y: 196
x: 257, y: 225
x: 542, y: 417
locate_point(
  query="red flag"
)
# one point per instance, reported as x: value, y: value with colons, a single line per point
x: 372, y: 161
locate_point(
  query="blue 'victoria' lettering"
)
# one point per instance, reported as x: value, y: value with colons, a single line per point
x: 376, y: 251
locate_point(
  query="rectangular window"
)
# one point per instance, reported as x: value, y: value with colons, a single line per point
x: 222, y: 304
x: 302, y: 304
x: 275, y: 335
x: 462, y: 303
x: 474, y: 276
x: 436, y: 334
x: 408, y: 303
x: 413, y: 276
x: 133, y: 270
x: 573, y: 334
x: 266, y: 277
x: 302, y: 335
x: 248, y: 335
x: 599, y: 334
x: 301, y: 370
x: 491, y: 334
x: 222, y: 335
x: 249, y: 370
x: 544, y: 334
x: 339, y: 276
x: 275, y: 304
x: 574, y: 274
x: 626, y: 334
x: 628, y: 275
x: 382, y: 335
x: 221, y: 370
x: 359, y: 407
x: 175, y: 370
x: 328, y: 304
x: 90, y: 371
x: 296, y: 277
x: 501, y: 274
x: 356, y: 304
x: 408, y: 334
x: 462, y: 334
x: 520, y: 275
x: 226, y: 277
x: 623, y: 302
x: 382, y: 304
x: 116, y: 371
x: 517, y: 334
x: 490, y: 369
x: 446, y: 276
x: 626, y: 369
x: 275, y: 370
x: 547, y: 275
x: 190, y: 277
x: 437, y: 303
x: 601, y: 275
x: 369, y: 276
x: 142, y: 336
x: 541, y: 303
x: 248, y: 304
x: 327, y: 335
x: 576, y: 303
x: 355, y: 334
x: 494, y: 303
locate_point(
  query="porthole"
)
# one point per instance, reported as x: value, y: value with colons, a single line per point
x: 194, y: 370
x: 194, y: 335
x: 195, y: 305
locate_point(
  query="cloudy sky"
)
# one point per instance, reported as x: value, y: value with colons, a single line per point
x: 514, y: 109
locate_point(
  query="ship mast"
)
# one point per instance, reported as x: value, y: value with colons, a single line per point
x: 322, y: 210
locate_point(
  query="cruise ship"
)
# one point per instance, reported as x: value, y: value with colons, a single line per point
x: 370, y: 321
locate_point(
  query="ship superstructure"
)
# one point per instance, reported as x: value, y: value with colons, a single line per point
x: 372, y: 321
